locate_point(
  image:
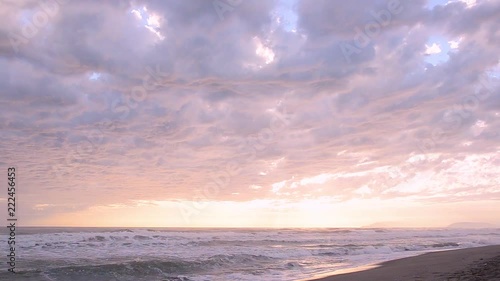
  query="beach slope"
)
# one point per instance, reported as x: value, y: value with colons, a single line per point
x: 481, y: 263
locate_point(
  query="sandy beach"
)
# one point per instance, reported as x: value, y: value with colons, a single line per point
x: 478, y: 264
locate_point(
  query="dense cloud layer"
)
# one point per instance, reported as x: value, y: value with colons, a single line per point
x: 110, y: 102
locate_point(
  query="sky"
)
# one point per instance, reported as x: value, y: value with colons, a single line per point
x: 235, y: 113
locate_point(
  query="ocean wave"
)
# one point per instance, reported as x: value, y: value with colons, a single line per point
x: 97, y: 238
x: 174, y: 269
x: 353, y: 250
x: 122, y: 230
x: 142, y: 237
x: 180, y: 255
x: 446, y: 244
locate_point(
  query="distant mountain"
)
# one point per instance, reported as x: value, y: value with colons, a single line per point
x: 471, y: 225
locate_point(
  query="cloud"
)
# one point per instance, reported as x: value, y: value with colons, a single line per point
x: 432, y: 49
x: 115, y: 101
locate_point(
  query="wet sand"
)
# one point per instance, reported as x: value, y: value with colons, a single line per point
x: 477, y: 264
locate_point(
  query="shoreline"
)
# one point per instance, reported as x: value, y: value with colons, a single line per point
x: 478, y: 263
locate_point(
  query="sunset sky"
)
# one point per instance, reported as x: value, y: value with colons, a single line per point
x: 290, y: 113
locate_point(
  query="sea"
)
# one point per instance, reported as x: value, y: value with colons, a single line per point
x: 122, y: 254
